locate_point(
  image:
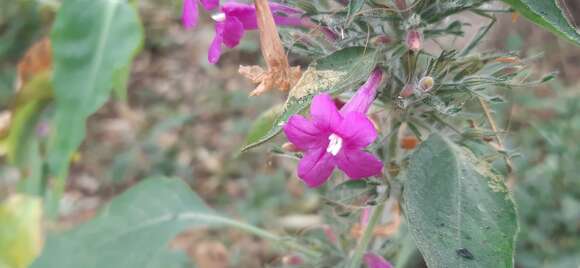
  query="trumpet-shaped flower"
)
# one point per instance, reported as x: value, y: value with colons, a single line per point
x: 190, y: 14
x: 236, y: 18
x: 333, y: 138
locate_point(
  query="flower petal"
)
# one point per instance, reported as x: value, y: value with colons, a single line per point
x: 373, y: 260
x: 358, y: 164
x: 233, y: 32
x: 210, y: 4
x: 189, y: 14
x: 215, y: 49
x: 245, y: 13
x: 324, y: 112
x: 357, y: 130
x: 302, y: 133
x: 315, y: 167
x: 365, y: 95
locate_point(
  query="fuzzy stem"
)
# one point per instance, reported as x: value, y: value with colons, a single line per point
x: 367, y: 236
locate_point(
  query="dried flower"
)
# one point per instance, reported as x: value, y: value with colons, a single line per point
x: 236, y: 18
x: 278, y: 74
x: 373, y: 260
x: 414, y: 40
x: 336, y: 139
x: 190, y: 14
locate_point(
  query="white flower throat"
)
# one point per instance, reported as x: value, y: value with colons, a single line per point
x: 334, y: 145
x: 219, y: 17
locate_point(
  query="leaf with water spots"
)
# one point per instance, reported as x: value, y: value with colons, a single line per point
x: 343, y: 70
x: 460, y: 212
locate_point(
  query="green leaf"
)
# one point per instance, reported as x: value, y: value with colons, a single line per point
x: 28, y: 105
x: 354, y: 6
x: 93, y: 43
x: 263, y: 124
x: 135, y: 229
x: 343, y: 70
x: 547, y: 14
x: 20, y: 231
x: 460, y: 213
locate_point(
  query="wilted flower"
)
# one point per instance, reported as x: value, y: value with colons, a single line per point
x: 236, y: 18
x: 414, y: 40
x: 373, y: 260
x: 333, y: 138
x: 190, y: 14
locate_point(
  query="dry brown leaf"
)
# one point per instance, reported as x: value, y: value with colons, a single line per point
x: 37, y: 59
x: 279, y: 73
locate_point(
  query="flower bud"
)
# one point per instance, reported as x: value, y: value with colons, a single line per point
x: 414, y: 40
x: 290, y: 147
x: 407, y: 91
x: 401, y: 4
x: 426, y: 83
x: 381, y: 40
x: 292, y: 260
x: 409, y: 142
x: 373, y: 260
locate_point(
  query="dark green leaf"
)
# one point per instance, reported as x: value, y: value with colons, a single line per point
x: 343, y: 70
x: 547, y: 14
x: 460, y: 212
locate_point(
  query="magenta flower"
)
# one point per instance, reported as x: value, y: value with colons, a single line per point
x: 336, y: 139
x: 236, y: 18
x: 190, y: 15
x: 373, y: 260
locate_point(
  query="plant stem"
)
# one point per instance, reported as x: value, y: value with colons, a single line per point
x: 367, y: 236
x: 219, y: 220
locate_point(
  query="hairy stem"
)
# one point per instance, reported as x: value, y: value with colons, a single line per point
x: 367, y: 236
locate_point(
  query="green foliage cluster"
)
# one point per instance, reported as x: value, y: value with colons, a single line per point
x: 458, y: 211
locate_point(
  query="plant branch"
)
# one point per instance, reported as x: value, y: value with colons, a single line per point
x: 367, y: 236
x: 493, y: 125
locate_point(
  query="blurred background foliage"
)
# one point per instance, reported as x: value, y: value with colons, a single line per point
x: 187, y: 118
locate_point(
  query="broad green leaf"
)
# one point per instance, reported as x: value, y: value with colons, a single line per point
x: 263, y: 124
x: 93, y: 43
x: 20, y: 231
x: 135, y: 229
x: 547, y: 14
x: 343, y: 70
x: 460, y: 212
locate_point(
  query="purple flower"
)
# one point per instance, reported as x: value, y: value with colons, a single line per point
x: 333, y: 138
x: 190, y: 15
x: 373, y: 260
x: 236, y: 18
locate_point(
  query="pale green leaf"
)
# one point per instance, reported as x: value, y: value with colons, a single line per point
x: 547, y: 14
x: 263, y: 124
x: 135, y: 229
x: 93, y: 45
x: 460, y: 213
x: 20, y: 231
